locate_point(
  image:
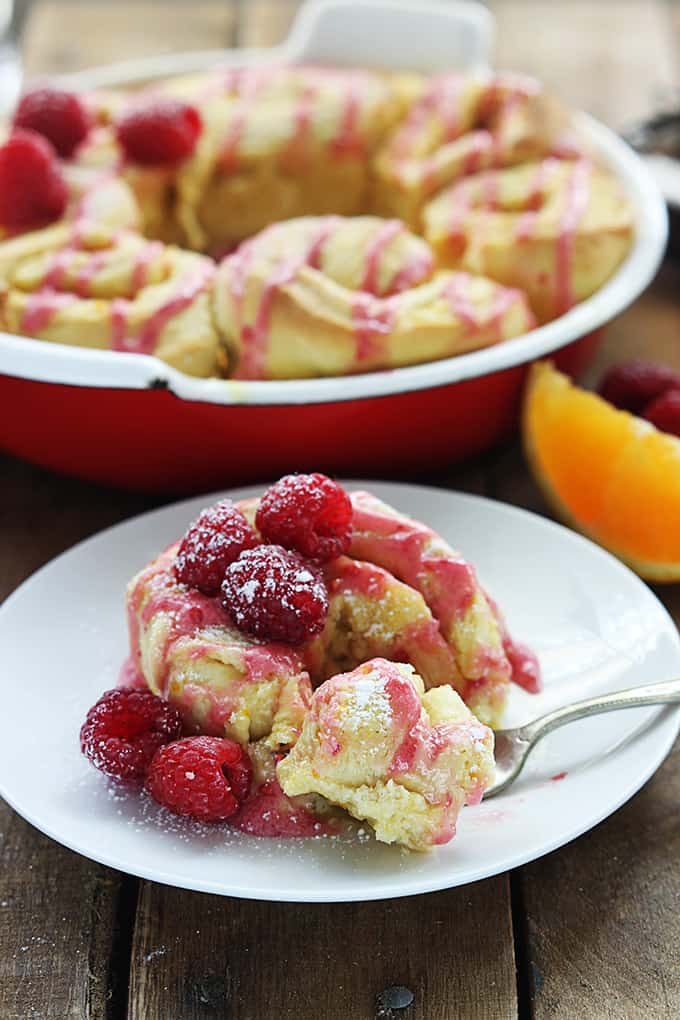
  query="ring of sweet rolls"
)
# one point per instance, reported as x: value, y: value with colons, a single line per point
x: 360, y: 220
x: 343, y: 650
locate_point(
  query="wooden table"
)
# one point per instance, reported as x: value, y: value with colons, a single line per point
x: 590, y: 931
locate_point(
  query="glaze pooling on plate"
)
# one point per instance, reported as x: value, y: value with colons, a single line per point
x: 401, y: 594
x: 595, y: 626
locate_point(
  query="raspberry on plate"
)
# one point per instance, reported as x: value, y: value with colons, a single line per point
x: 215, y: 539
x: 159, y: 133
x: 635, y: 384
x: 59, y: 116
x: 664, y: 412
x: 32, y: 189
x: 309, y: 513
x: 206, y: 778
x: 272, y: 594
x: 124, y: 729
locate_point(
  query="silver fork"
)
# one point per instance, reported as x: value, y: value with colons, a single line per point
x: 512, y: 746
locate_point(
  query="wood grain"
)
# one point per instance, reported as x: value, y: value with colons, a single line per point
x: 612, y: 59
x: 65, y: 923
x: 603, y: 925
x: 205, y: 956
x: 58, y: 935
x: 265, y: 22
x: 601, y: 921
x: 65, y: 35
x: 597, y: 920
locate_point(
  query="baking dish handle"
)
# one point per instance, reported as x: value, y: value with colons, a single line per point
x: 395, y: 34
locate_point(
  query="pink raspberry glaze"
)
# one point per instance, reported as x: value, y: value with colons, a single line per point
x: 420, y: 643
x: 399, y: 545
x: 155, y: 590
x: 146, y: 340
x: 269, y: 812
x: 409, y: 749
x: 408, y: 549
x: 129, y: 675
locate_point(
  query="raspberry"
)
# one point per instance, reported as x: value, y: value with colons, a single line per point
x: 32, y: 189
x: 213, y: 541
x: 163, y: 131
x: 124, y: 729
x: 635, y: 384
x: 310, y: 513
x: 59, y: 116
x: 273, y: 594
x: 204, y: 777
x: 664, y: 412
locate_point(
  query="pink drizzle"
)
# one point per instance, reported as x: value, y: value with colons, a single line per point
x: 456, y: 293
x: 373, y: 321
x: 481, y: 144
x: 381, y: 239
x: 348, y: 141
x: 41, y: 309
x: 269, y: 812
x: 255, y: 337
x: 526, y: 222
x: 145, y: 257
x: 148, y: 336
x: 250, y: 86
x: 577, y: 195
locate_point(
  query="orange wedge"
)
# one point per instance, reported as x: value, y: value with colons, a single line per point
x: 610, y: 475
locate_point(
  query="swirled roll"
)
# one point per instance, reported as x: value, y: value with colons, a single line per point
x: 277, y: 142
x: 86, y: 285
x: 556, y: 229
x: 459, y: 125
x: 331, y: 296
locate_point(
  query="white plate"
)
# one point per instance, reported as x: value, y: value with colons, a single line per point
x: 595, y: 626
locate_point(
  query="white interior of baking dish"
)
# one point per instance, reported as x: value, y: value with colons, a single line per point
x: 393, y: 34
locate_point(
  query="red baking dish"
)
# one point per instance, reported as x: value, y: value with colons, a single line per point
x: 131, y: 420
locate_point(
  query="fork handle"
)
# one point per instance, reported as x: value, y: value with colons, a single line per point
x: 633, y: 697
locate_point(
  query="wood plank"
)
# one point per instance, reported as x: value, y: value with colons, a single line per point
x: 265, y: 22
x: 613, y: 60
x: 649, y: 328
x: 60, y: 941
x: 65, y: 922
x: 603, y: 922
x: 67, y: 35
x: 58, y: 930
x: 602, y: 926
x: 201, y: 956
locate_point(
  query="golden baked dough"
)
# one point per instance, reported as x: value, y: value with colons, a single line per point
x: 330, y: 296
x: 556, y: 229
x: 277, y: 142
x: 304, y: 177
x: 223, y: 682
x: 405, y: 760
x: 459, y: 125
x: 93, y: 287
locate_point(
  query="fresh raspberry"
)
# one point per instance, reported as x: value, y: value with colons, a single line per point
x: 273, y: 594
x: 163, y: 131
x: 635, y: 384
x: 32, y: 189
x: 664, y: 412
x: 59, y: 116
x: 309, y: 513
x: 219, y: 535
x: 204, y: 777
x: 124, y: 729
